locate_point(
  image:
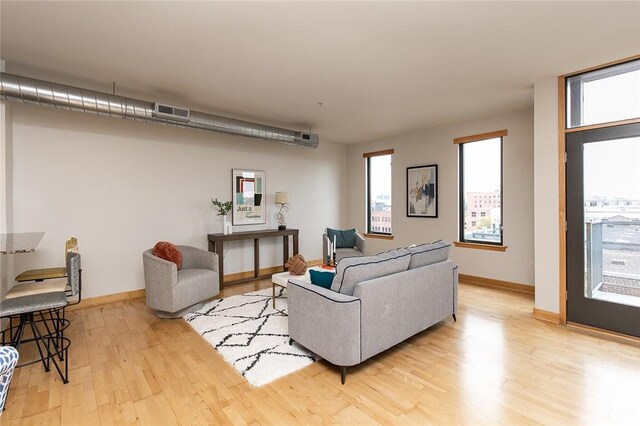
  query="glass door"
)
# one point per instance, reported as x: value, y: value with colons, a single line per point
x: 603, y: 228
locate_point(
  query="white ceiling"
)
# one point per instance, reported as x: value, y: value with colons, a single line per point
x: 377, y: 69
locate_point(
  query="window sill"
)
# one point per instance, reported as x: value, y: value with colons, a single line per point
x: 480, y: 246
x: 379, y: 236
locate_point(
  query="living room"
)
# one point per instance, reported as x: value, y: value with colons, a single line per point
x: 365, y: 77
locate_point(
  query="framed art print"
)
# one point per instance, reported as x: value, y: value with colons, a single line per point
x: 249, y: 189
x: 422, y: 191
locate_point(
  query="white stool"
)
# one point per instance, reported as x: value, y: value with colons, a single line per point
x: 282, y: 278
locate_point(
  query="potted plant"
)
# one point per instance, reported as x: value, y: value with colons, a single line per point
x: 223, y: 209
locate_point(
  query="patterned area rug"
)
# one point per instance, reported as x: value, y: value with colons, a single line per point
x: 251, y: 335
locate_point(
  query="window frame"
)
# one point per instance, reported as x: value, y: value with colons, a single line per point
x: 462, y: 241
x: 574, y: 86
x: 369, y: 224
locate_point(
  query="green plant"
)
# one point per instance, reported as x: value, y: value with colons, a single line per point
x: 223, y: 208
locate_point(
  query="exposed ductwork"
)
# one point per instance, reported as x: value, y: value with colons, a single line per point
x: 29, y: 90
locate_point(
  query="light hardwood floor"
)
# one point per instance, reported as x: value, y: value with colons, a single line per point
x: 496, y: 365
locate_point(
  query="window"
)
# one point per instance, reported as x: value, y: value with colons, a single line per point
x: 378, y: 181
x: 480, y: 170
x: 604, y: 95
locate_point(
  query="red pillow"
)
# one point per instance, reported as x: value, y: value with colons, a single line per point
x: 167, y: 251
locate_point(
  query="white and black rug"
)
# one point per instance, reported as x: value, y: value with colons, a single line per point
x: 251, y: 335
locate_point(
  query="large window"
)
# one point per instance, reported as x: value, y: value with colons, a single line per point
x: 604, y: 95
x: 602, y: 198
x: 481, y: 188
x: 378, y: 171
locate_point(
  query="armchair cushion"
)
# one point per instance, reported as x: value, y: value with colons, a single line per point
x: 344, y: 238
x: 167, y: 251
x: 29, y: 289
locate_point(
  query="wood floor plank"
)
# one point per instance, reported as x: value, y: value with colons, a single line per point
x: 115, y: 405
x: 155, y: 410
x: 186, y: 403
x: 78, y: 398
x: 46, y: 418
x: 495, y: 365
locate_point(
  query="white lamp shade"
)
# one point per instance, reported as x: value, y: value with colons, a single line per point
x: 282, y: 198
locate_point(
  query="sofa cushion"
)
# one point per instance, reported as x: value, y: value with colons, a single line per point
x: 167, y: 251
x: 352, y: 270
x: 344, y: 238
x: 429, y: 253
x: 321, y: 278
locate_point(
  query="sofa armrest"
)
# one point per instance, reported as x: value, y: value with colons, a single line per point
x: 361, y: 243
x: 325, y: 322
x: 325, y: 251
x: 195, y: 258
x: 160, y: 276
x: 158, y: 270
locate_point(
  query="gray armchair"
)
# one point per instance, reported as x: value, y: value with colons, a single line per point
x: 341, y: 253
x: 174, y: 293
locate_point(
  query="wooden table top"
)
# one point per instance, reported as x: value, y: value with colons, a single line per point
x: 19, y: 242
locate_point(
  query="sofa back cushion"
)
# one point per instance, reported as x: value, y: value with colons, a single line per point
x: 352, y: 270
x: 429, y: 253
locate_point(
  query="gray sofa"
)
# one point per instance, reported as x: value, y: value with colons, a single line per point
x: 175, y: 293
x: 375, y: 302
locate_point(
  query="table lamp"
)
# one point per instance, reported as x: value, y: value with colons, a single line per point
x: 282, y: 198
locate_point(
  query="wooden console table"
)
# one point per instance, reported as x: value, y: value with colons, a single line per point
x: 216, y: 245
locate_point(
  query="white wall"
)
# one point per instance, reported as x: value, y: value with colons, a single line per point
x: 120, y: 186
x: 435, y: 146
x: 6, y: 262
x: 547, y: 238
x: 6, y: 204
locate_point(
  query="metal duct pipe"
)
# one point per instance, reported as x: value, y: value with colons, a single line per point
x: 29, y: 90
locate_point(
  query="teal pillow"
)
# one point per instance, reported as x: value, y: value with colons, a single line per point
x: 344, y: 239
x: 321, y: 278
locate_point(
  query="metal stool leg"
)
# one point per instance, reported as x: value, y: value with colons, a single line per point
x: 38, y: 339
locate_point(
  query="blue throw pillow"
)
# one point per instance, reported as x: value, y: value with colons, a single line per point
x: 344, y: 239
x: 321, y: 278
